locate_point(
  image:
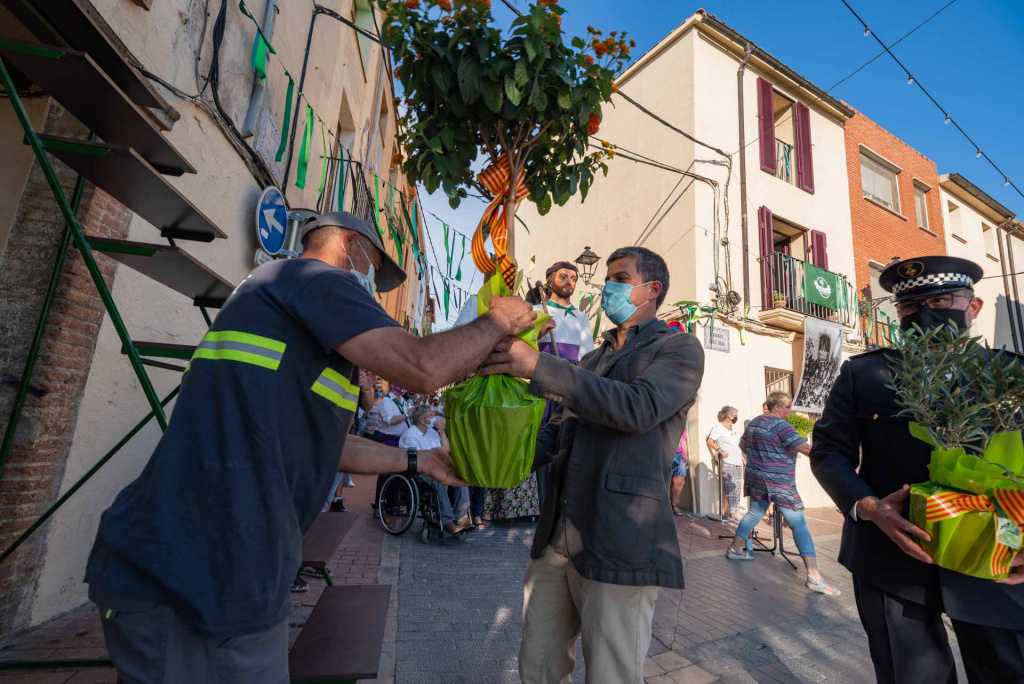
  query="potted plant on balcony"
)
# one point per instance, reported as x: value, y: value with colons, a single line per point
x: 779, y: 299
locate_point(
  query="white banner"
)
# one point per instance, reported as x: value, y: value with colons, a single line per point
x: 823, y: 349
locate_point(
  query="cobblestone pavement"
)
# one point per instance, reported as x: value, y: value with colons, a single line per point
x: 457, y: 605
x: 460, y: 603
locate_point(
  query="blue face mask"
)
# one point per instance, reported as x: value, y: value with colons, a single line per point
x: 616, y: 303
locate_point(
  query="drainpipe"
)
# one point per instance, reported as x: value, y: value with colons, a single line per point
x: 1013, y: 281
x: 375, y: 114
x: 259, y: 86
x: 1006, y: 282
x: 743, y: 175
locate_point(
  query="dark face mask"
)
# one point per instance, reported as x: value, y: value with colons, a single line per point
x: 927, y: 318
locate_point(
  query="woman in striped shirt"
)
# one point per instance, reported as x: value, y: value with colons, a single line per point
x: 771, y: 445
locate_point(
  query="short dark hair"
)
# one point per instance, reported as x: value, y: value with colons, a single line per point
x: 319, y: 237
x: 651, y: 266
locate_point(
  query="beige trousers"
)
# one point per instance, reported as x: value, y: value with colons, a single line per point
x: 560, y: 605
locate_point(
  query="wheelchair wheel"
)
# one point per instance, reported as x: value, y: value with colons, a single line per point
x: 398, y: 504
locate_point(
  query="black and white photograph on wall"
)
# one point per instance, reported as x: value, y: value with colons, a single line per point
x: 823, y: 348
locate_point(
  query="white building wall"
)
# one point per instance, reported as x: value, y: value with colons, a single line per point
x: 674, y: 217
x: 165, y: 41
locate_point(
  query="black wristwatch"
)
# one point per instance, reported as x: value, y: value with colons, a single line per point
x: 410, y: 470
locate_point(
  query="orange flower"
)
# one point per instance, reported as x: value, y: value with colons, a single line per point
x: 446, y: 5
x: 486, y: 3
x: 613, y: 34
x: 558, y: 18
x: 588, y: 59
x: 624, y: 49
x: 601, y: 49
x: 593, y: 123
x: 412, y: 4
x: 632, y: 43
x: 615, y: 87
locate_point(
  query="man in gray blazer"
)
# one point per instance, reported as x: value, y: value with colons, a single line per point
x: 607, y: 538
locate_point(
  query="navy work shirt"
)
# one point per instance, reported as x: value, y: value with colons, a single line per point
x: 213, y: 526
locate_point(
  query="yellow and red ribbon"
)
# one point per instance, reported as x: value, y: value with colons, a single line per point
x: 945, y: 505
x: 493, y: 224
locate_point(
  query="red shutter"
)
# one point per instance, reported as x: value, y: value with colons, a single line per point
x: 819, y: 250
x: 766, y: 241
x: 766, y: 126
x: 804, y: 151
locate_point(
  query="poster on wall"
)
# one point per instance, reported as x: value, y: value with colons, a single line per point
x: 823, y: 347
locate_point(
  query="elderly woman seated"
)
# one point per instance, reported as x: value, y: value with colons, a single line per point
x: 427, y: 432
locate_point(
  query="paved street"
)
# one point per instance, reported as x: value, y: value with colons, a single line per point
x: 457, y: 604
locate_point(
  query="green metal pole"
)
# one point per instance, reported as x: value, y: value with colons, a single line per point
x: 85, y: 478
x: 83, y: 246
x: 44, y: 315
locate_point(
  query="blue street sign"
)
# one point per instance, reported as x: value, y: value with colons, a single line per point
x: 271, y: 220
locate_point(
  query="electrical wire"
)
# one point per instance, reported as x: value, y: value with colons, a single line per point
x: 949, y: 119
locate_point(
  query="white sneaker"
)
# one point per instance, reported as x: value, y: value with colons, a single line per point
x: 738, y: 555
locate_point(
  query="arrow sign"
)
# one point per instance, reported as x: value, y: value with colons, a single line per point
x: 271, y: 219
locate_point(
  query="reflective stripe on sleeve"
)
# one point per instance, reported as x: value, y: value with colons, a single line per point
x: 336, y: 388
x: 228, y: 345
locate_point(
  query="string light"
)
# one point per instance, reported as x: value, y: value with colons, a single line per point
x: 910, y: 81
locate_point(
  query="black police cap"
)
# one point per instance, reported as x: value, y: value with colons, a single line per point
x: 928, y: 275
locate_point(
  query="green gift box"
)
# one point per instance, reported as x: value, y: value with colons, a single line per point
x: 970, y: 508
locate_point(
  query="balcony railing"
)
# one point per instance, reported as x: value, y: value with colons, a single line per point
x: 785, y: 162
x: 879, y: 329
x: 783, y: 287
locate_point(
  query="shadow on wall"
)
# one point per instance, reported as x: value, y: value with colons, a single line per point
x: 1004, y: 332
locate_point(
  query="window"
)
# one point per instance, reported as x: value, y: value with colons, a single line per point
x: 956, y: 227
x: 879, y: 184
x: 921, y: 205
x: 364, y: 20
x: 887, y: 307
x: 778, y: 380
x: 989, y: 233
x: 786, y: 149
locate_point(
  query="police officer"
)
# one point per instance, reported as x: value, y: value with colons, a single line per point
x: 900, y: 595
x: 193, y: 561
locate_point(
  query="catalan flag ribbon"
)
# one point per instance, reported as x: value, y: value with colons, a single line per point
x: 493, y: 224
x: 945, y: 504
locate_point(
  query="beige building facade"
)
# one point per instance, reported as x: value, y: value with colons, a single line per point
x: 981, y: 229
x: 348, y: 83
x: 791, y: 201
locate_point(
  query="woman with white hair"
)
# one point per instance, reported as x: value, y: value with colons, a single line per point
x: 724, y: 441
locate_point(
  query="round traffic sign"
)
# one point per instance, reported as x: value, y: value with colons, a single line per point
x: 271, y: 220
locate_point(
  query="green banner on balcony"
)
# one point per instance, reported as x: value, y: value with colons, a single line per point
x: 821, y: 287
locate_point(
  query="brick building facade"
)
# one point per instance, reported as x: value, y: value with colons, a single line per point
x: 34, y: 470
x: 881, y: 232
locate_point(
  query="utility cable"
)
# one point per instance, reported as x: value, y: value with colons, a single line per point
x: 948, y: 119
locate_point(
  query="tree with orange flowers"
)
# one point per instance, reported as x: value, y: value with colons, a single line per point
x: 524, y: 95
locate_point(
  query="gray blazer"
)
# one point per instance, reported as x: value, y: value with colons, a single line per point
x: 611, y: 444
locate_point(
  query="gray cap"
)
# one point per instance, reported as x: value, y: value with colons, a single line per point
x: 389, y: 275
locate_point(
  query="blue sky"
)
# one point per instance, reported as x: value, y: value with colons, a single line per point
x: 968, y: 58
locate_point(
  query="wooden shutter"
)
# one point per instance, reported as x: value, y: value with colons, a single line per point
x: 819, y: 250
x: 804, y: 150
x: 766, y: 241
x: 766, y: 126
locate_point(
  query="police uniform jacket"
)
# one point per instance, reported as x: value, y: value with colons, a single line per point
x: 860, y: 426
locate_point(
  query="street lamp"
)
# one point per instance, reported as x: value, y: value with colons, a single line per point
x: 588, y: 264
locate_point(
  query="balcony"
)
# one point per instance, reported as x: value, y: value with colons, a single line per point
x: 784, y: 298
x: 785, y: 162
x: 879, y: 330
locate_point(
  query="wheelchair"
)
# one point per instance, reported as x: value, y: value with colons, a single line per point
x: 403, y: 499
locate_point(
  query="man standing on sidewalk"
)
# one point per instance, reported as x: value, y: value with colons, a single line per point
x: 193, y: 561
x: 607, y: 537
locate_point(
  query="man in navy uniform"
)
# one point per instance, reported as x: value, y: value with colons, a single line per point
x: 900, y: 594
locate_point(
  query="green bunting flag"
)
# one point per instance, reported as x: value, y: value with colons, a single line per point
x: 458, y: 276
x: 447, y: 251
x: 413, y: 233
x: 305, y: 149
x: 287, y: 119
x: 341, y: 178
x: 743, y: 327
x: 323, y: 161
x: 376, y: 205
x: 259, y: 30
x: 259, y: 58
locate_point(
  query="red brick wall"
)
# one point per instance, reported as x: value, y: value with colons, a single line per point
x: 32, y: 477
x: 879, y: 234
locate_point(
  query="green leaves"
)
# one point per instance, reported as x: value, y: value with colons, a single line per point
x: 513, y: 93
x: 564, y: 98
x: 493, y: 97
x: 442, y: 77
x: 469, y: 80
x: 521, y: 76
x: 538, y: 99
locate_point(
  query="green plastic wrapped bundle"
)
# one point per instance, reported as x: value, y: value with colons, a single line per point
x: 970, y: 508
x: 492, y: 419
